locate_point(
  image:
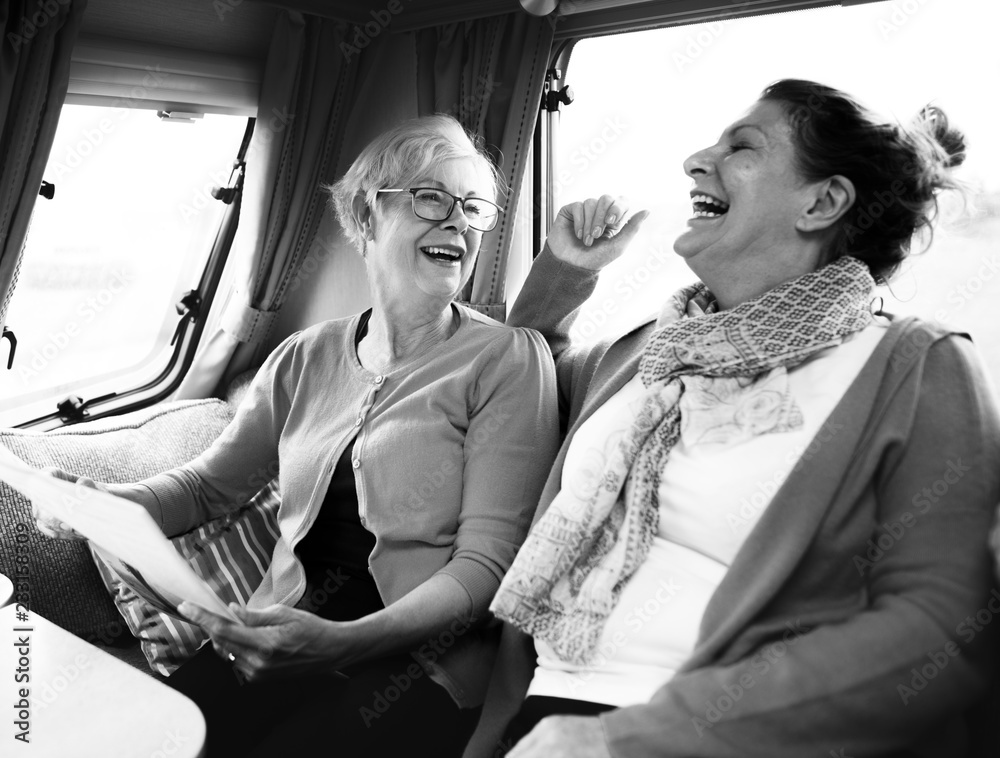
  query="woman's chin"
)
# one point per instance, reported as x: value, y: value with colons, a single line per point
x: 685, y: 246
x: 444, y: 289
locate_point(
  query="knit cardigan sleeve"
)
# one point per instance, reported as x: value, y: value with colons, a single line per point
x: 509, y: 446
x: 549, y: 302
x: 241, y: 461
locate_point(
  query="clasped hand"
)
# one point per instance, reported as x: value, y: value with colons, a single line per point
x: 564, y: 737
x: 276, y: 642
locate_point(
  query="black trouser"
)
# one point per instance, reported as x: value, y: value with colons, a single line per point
x: 387, y: 707
x: 381, y: 710
x: 535, y: 708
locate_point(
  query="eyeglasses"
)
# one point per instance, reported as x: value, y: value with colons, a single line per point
x: 432, y: 204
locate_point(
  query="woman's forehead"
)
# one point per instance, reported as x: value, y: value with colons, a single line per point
x: 765, y: 117
x: 466, y: 176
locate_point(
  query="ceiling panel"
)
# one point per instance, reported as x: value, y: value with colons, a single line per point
x: 228, y: 27
x: 400, y: 15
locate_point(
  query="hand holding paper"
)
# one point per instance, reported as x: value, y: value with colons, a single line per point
x: 48, y: 524
x: 124, y: 532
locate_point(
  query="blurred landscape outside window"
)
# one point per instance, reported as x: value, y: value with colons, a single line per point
x: 127, y: 233
x: 645, y: 101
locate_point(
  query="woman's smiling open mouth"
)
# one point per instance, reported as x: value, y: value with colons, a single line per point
x: 443, y: 253
x: 706, y: 206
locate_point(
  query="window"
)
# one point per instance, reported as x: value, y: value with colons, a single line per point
x: 126, y: 234
x: 647, y: 100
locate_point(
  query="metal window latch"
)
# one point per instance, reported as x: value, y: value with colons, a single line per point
x: 552, y: 98
x: 188, y: 308
x: 225, y: 194
x: 564, y: 95
x: 228, y: 194
x: 74, y: 408
x: 8, y: 334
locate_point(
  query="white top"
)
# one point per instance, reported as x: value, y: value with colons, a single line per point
x: 739, y: 441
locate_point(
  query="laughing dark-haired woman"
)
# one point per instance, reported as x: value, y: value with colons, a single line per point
x: 766, y: 530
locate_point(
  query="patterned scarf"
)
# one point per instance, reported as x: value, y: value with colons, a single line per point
x: 569, y: 574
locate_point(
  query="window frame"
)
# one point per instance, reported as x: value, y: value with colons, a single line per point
x: 122, y: 74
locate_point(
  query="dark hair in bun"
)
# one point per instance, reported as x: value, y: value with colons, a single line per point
x: 897, y: 172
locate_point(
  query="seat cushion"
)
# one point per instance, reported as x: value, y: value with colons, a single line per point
x: 62, y: 581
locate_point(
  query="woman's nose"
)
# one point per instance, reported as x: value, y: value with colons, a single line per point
x: 457, y: 220
x: 699, y: 163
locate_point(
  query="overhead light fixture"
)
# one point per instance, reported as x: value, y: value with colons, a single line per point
x: 539, y: 7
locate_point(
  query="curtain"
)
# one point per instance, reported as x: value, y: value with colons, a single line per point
x: 306, y: 95
x: 38, y: 37
x: 489, y: 74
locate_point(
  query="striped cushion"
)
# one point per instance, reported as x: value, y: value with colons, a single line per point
x: 230, y: 554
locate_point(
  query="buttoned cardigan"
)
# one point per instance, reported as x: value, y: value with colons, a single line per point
x: 450, y: 454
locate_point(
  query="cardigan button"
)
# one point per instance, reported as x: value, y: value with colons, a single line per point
x: 356, y: 463
x: 357, y: 421
x: 379, y: 379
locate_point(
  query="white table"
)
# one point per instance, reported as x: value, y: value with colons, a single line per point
x: 6, y: 590
x: 83, y: 702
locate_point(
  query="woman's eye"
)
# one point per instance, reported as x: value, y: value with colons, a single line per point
x: 430, y: 197
x: 738, y: 146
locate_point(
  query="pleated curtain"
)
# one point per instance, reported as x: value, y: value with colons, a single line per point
x: 38, y: 38
x: 489, y: 74
x: 306, y: 95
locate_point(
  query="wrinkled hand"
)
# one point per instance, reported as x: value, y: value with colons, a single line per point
x: 48, y: 524
x: 276, y: 642
x: 593, y: 233
x: 564, y: 737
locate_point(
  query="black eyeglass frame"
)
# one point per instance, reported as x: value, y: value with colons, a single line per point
x: 451, y: 208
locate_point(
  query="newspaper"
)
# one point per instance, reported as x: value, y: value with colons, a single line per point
x: 121, y: 530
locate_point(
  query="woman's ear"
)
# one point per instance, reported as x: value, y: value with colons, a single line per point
x: 362, y: 214
x: 832, y: 199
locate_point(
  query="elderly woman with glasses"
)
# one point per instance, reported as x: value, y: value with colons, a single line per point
x: 413, y: 442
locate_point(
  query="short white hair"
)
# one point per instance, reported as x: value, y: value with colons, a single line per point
x: 400, y: 155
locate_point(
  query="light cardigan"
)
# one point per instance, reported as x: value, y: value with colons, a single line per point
x: 451, y: 453
x: 803, y: 650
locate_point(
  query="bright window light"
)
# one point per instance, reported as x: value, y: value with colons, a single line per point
x: 127, y: 232
x: 646, y: 101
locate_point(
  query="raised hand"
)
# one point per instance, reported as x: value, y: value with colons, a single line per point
x: 592, y: 233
